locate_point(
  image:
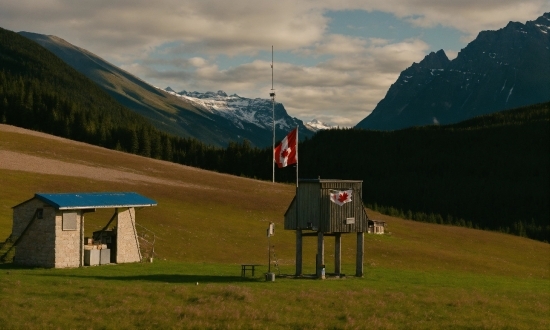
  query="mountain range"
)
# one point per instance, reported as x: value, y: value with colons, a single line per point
x: 244, y: 112
x: 427, y: 170
x: 499, y: 70
x: 241, y: 110
x: 213, y: 118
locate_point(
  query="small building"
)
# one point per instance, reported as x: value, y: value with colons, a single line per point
x: 324, y: 207
x: 376, y: 227
x: 48, y: 229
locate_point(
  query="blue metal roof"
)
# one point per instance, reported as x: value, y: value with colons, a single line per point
x: 66, y: 201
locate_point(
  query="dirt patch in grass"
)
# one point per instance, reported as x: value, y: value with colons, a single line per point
x: 17, y: 161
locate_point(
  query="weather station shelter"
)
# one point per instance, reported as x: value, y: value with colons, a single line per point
x: 324, y: 207
x: 48, y: 229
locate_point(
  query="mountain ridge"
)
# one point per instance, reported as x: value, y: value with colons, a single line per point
x: 499, y: 70
x: 168, y: 112
x: 241, y: 110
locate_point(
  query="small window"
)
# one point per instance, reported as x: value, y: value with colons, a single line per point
x: 40, y: 213
x: 69, y: 221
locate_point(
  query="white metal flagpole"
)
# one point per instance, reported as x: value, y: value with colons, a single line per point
x: 297, y: 160
x: 272, y: 95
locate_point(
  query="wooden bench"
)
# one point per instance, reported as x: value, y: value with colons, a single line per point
x: 250, y: 267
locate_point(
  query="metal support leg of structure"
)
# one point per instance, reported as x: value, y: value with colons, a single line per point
x: 360, y: 250
x: 299, y: 252
x: 338, y: 253
x: 320, y: 255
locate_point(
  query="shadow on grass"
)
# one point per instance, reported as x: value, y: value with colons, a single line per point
x: 166, y: 278
x: 11, y: 266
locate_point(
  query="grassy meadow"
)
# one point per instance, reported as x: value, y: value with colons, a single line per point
x: 418, y: 275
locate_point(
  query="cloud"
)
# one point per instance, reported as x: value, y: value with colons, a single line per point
x: 236, y: 27
x: 320, y: 74
x: 342, y: 89
x: 339, y: 90
x: 469, y: 16
x: 212, y: 27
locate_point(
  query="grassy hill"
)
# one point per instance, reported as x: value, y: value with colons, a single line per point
x: 489, y: 172
x: 420, y: 275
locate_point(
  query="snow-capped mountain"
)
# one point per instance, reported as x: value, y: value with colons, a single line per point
x: 499, y: 70
x: 241, y: 110
x: 316, y: 125
x: 213, y: 118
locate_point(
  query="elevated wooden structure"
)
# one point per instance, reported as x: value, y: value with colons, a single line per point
x: 316, y: 211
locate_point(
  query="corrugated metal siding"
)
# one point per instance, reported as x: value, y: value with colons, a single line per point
x: 308, y: 204
x: 361, y: 220
x: 334, y: 216
x: 290, y: 216
x: 312, y: 204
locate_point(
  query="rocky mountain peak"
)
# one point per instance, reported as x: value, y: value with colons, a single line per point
x: 542, y: 23
x: 247, y: 116
x: 499, y: 70
x: 435, y: 60
x: 203, y: 95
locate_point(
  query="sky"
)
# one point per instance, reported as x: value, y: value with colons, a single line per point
x: 333, y: 60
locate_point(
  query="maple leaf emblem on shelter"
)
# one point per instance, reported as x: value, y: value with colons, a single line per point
x: 342, y: 197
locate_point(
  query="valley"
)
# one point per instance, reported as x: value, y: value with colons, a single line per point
x: 207, y: 223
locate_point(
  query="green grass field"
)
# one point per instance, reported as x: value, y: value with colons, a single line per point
x: 420, y: 276
x: 165, y: 295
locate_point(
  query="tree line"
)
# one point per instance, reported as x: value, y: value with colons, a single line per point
x: 490, y: 172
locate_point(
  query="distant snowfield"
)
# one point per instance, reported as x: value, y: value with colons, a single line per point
x: 240, y: 109
x: 235, y: 108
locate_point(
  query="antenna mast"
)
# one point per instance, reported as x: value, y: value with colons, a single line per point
x: 272, y: 95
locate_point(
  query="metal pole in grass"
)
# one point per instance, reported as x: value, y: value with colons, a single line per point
x: 270, y: 232
x: 272, y: 95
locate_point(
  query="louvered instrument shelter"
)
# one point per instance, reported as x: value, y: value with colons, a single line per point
x: 326, y: 207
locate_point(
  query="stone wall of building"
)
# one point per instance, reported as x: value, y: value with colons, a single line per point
x: 37, y: 246
x: 68, y: 244
x: 127, y: 241
x: 47, y: 244
x: 23, y: 214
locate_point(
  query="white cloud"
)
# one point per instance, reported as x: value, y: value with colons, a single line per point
x: 334, y: 77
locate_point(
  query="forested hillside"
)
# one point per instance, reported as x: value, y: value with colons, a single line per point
x: 490, y: 172
x: 40, y: 92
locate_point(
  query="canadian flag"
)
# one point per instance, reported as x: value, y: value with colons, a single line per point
x: 285, y: 153
x: 340, y: 197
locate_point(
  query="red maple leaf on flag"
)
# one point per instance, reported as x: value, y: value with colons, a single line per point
x: 342, y: 197
x: 285, y: 153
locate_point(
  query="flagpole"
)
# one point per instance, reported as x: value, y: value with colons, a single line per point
x: 272, y: 95
x: 297, y: 160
